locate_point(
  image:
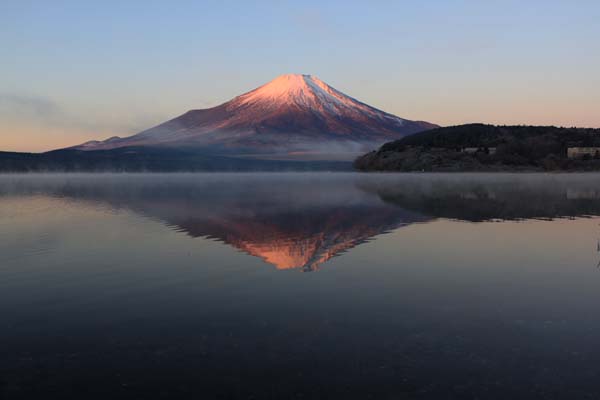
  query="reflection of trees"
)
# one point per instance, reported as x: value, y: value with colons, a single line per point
x: 485, y: 198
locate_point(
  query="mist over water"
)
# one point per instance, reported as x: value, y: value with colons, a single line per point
x: 318, y: 285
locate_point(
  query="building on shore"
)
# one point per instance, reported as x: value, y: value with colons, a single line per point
x: 473, y: 150
x: 580, y: 152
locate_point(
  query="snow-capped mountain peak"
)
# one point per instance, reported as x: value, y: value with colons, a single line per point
x: 292, y: 113
x: 305, y: 91
x: 283, y: 88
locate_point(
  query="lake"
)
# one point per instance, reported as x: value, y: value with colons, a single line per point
x: 300, y: 285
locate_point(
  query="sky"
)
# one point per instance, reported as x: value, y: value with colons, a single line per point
x: 72, y: 71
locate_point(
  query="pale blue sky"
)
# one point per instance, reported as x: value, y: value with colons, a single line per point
x: 77, y: 70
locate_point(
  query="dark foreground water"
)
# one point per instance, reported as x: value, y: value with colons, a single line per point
x: 308, y: 286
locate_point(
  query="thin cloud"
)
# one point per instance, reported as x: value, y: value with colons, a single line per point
x: 43, y: 111
x: 23, y: 105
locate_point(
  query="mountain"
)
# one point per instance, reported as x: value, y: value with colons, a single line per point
x: 293, y: 115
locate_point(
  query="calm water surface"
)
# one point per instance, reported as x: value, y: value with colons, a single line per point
x: 274, y: 286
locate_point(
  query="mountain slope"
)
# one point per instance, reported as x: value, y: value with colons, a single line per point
x: 293, y: 113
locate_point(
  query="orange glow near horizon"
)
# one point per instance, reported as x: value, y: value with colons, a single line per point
x: 35, y: 139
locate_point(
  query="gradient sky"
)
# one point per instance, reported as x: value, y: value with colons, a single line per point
x: 72, y: 71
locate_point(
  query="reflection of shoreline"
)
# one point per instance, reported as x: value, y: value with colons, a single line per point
x: 574, y: 194
x: 490, y: 198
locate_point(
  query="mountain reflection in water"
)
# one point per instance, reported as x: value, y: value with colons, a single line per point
x: 303, y: 220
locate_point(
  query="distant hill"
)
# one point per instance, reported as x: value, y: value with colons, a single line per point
x: 480, y: 147
x: 143, y: 159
